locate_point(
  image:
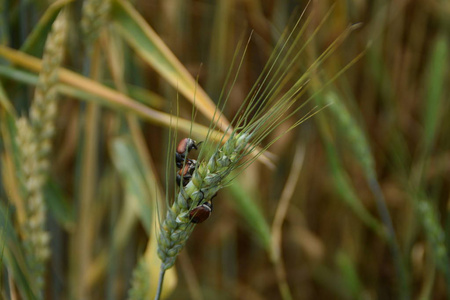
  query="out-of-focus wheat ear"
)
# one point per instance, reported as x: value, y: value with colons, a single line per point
x: 35, y: 238
x: 140, y: 282
x: 95, y: 15
x: 34, y: 142
x: 44, y: 107
x: 436, y: 236
x: 359, y: 145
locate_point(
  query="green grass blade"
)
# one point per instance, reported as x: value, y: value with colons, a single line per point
x: 13, y: 256
x: 349, y: 275
x: 141, y: 195
x: 436, y: 80
x: 36, y: 40
x: 251, y: 213
x: 126, y: 161
x: 58, y: 206
x: 4, y: 101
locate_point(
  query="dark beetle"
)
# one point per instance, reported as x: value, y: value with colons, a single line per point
x: 186, y: 167
x: 186, y: 171
x: 201, y: 213
x: 185, y: 144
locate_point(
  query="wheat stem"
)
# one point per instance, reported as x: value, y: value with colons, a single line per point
x: 160, y: 282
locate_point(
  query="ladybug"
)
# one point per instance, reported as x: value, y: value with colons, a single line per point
x: 201, y: 213
x: 185, y: 144
x: 186, y: 172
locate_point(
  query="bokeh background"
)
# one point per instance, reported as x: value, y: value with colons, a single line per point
x: 355, y: 205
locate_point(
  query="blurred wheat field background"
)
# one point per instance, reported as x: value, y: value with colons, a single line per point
x: 351, y: 204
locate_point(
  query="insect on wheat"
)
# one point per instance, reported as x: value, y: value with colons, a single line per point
x: 273, y: 99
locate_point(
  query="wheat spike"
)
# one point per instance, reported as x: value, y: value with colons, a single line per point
x: 140, y: 282
x: 95, y: 16
x: 272, y: 100
x: 208, y: 178
x: 35, y: 238
x: 34, y: 143
x: 44, y: 107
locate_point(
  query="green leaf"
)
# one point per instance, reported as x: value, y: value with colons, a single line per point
x: 126, y: 161
x: 13, y: 255
x: 35, y: 42
x: 4, y: 101
x: 58, y: 205
x: 349, y: 275
x: 251, y: 213
x: 436, y: 80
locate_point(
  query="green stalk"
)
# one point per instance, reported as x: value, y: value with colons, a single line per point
x: 160, y: 282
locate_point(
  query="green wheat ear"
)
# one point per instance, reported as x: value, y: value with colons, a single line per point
x: 95, y: 16
x: 273, y: 99
x: 35, y: 238
x: 44, y: 107
x: 34, y: 143
x: 209, y: 177
x: 140, y: 282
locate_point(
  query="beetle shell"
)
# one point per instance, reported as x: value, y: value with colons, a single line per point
x: 201, y: 213
x: 186, y: 143
x: 180, y: 155
x: 186, y: 172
